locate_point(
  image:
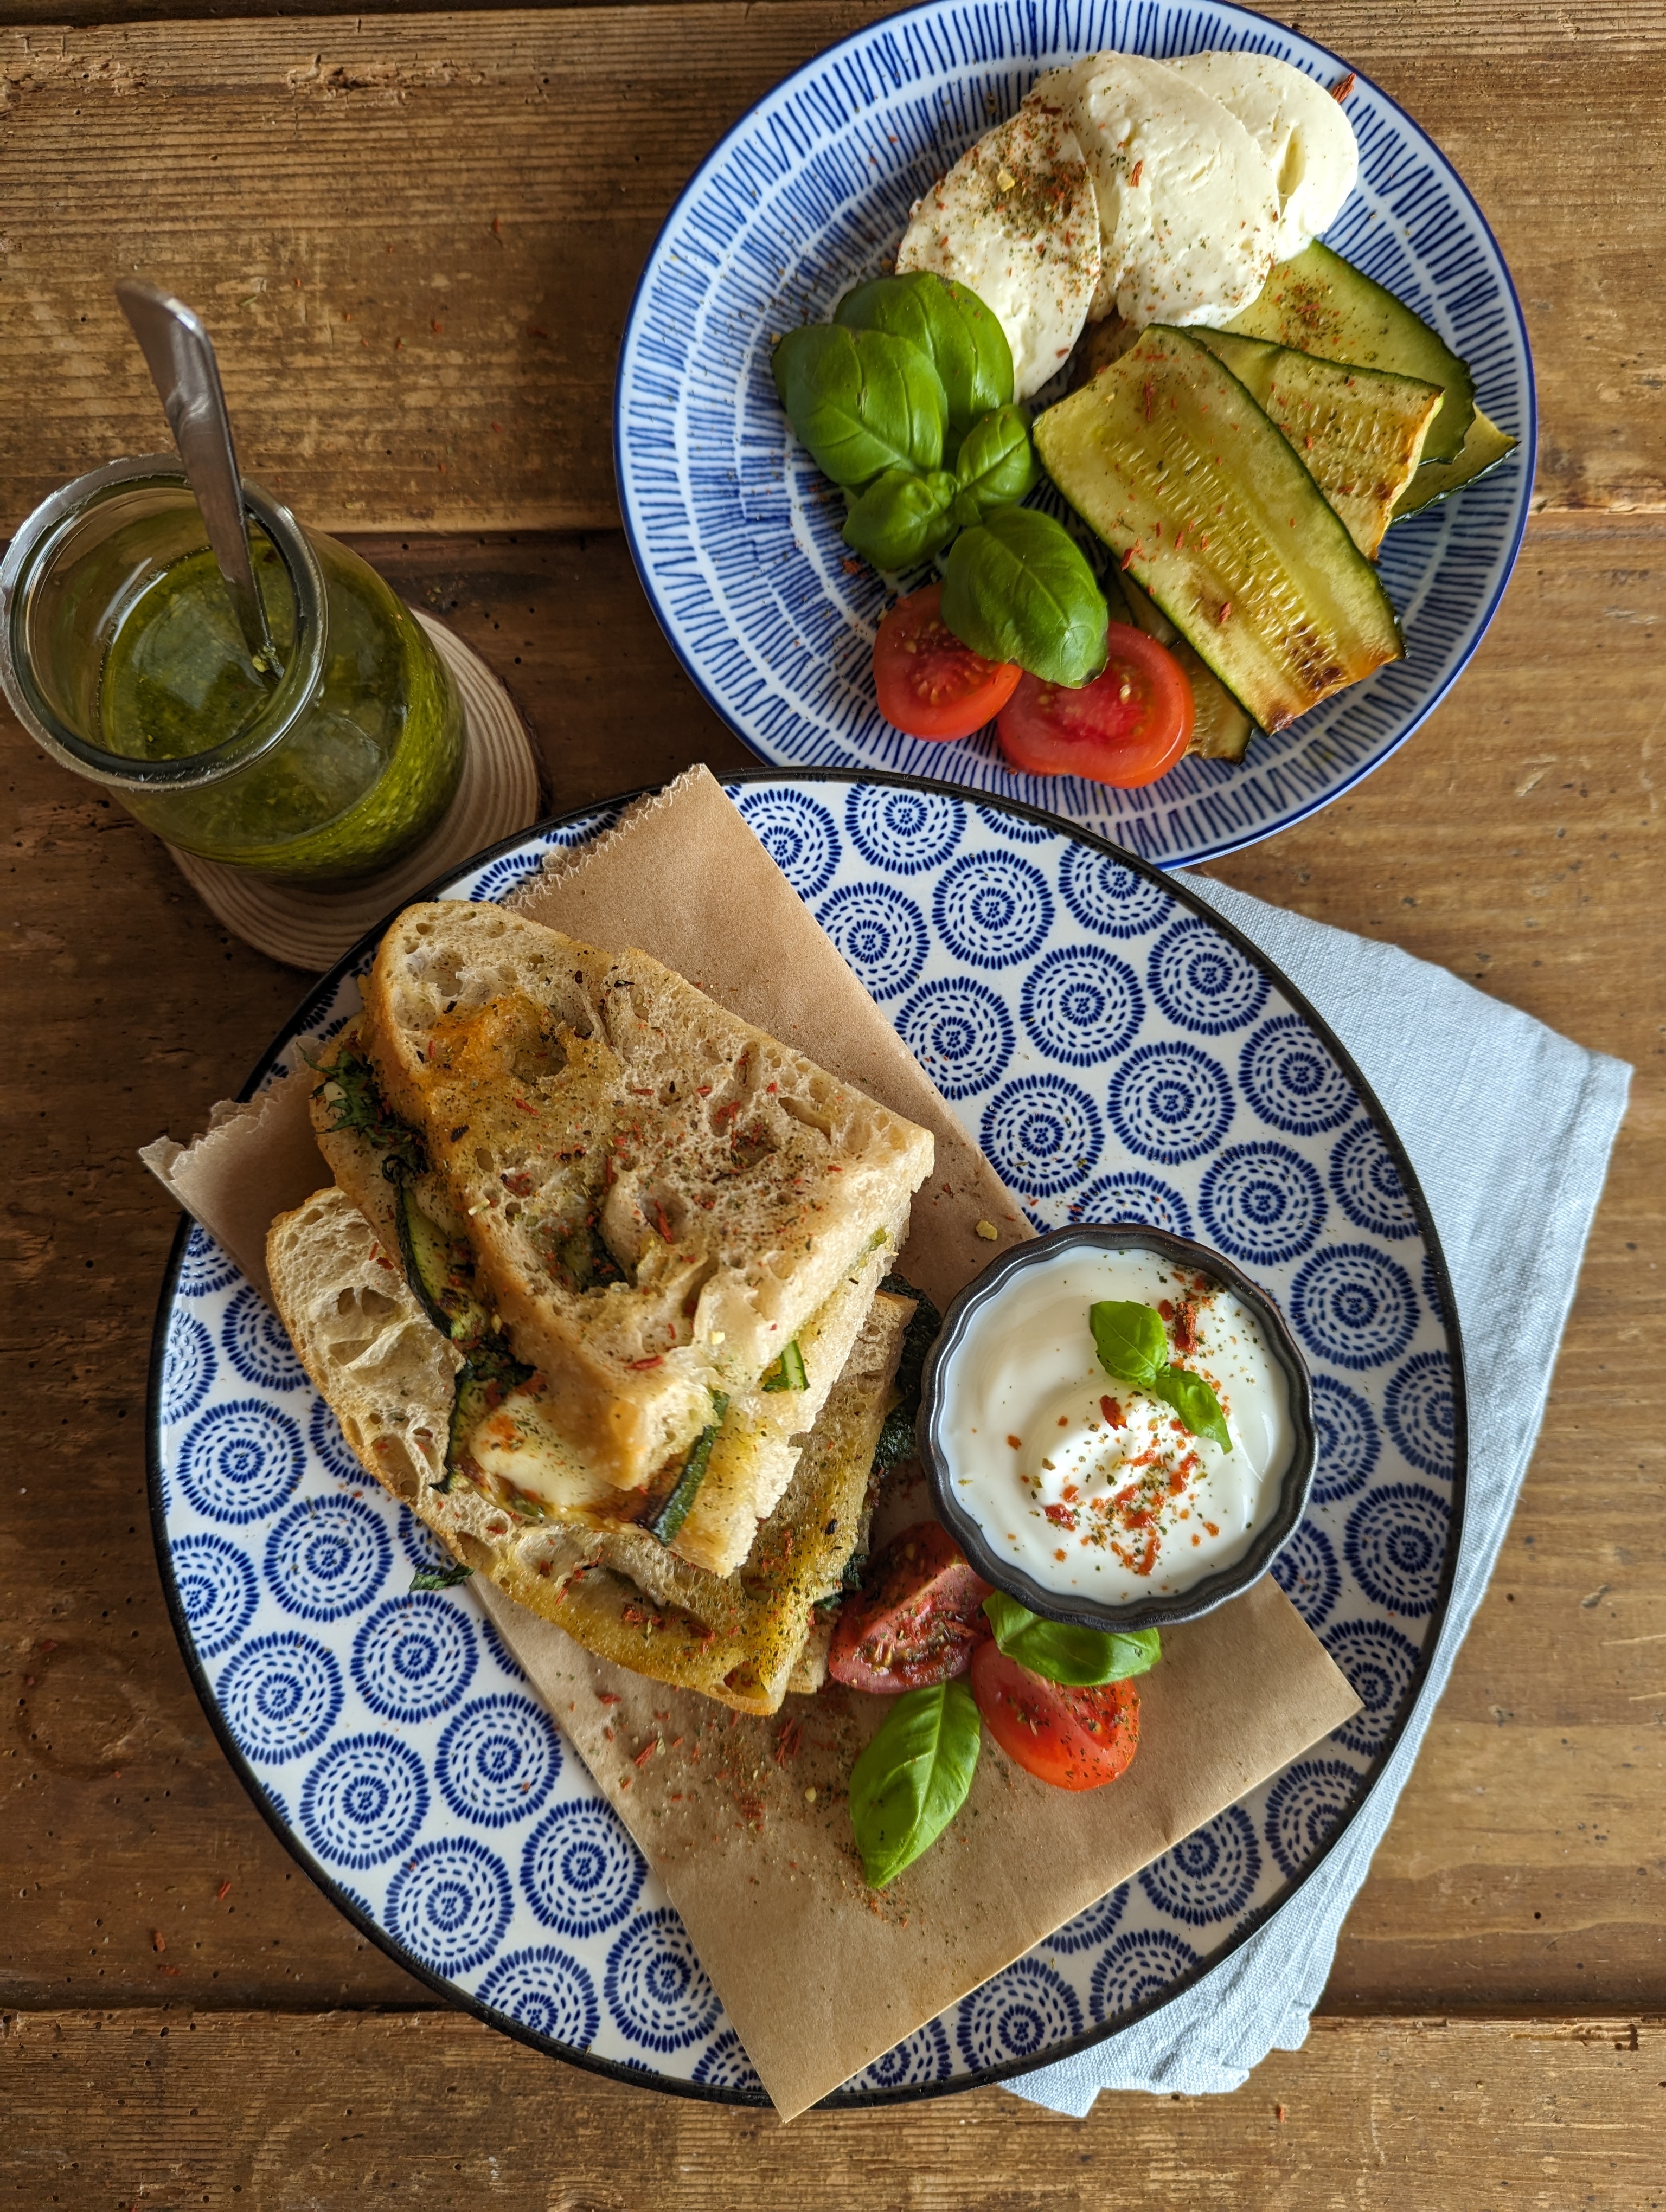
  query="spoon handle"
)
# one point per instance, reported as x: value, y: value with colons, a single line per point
x: 180, y: 355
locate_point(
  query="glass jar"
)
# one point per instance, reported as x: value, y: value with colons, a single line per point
x: 120, y: 655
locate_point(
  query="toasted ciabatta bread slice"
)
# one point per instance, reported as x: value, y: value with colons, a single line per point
x: 389, y: 1375
x: 520, y: 1441
x: 660, y: 1195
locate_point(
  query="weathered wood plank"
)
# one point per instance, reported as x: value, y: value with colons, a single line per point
x: 1515, y: 840
x: 415, y: 237
x: 224, y: 2110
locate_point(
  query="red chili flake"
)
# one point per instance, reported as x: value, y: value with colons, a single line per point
x: 851, y: 568
x: 607, y: 1697
x: 1138, y: 171
x: 168, y: 1970
x: 1339, y: 90
x: 657, y: 1359
x: 525, y: 1107
x: 1061, y: 1516
x: 1165, y: 1307
x: 1016, y: 1442
x: 519, y: 1185
x: 635, y: 1093
x: 1225, y: 611
x: 647, y: 1752
x: 47, y: 1644
x: 661, y: 1223
x: 224, y: 1891
x: 1185, y: 1327
x: 787, y: 1741
x: 1112, y: 1411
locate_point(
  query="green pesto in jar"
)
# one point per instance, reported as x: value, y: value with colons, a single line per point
x: 365, y: 769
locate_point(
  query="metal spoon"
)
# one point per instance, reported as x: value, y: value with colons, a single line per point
x: 180, y: 355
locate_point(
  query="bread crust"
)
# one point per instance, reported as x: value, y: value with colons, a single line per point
x: 660, y: 1195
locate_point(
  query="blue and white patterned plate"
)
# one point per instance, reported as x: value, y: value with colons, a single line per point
x: 1119, y: 1053
x: 737, y: 542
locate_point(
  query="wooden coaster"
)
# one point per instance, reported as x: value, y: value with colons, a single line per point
x: 497, y: 794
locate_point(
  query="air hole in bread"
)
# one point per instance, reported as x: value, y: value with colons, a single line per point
x: 809, y: 1113
x: 399, y: 1469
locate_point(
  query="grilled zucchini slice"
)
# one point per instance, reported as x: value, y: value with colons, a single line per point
x: 1318, y: 303
x: 1359, y: 431
x: 1170, y: 460
x: 1483, y: 449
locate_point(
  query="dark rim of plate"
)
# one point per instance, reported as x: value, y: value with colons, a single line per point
x: 319, y: 995
x: 1256, y: 26
x: 1215, y: 1590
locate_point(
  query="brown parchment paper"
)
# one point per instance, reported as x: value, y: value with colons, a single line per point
x: 744, y: 1820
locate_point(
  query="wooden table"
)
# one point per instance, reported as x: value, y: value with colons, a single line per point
x: 415, y: 236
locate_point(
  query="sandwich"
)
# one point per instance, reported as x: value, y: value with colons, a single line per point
x: 598, y: 1292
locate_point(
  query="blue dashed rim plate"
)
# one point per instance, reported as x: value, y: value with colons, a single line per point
x: 1120, y: 1053
x: 737, y: 541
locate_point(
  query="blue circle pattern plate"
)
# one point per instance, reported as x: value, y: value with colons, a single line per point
x: 1119, y: 1055
x: 738, y: 542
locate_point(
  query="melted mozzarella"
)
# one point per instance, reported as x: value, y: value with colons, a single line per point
x: 1307, y: 140
x: 1016, y: 221
x: 1188, y: 207
x: 1085, y: 1483
x: 519, y: 1444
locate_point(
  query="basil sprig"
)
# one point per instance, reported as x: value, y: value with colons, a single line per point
x: 1133, y: 1347
x: 913, y: 1778
x: 1081, y: 1658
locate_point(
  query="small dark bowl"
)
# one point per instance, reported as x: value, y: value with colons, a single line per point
x: 1143, y: 1612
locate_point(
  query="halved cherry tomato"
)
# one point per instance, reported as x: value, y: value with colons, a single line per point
x: 930, y: 684
x: 1128, y: 727
x: 918, y: 1619
x: 1074, y: 1739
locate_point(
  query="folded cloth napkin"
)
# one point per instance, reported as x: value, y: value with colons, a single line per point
x: 1509, y: 1128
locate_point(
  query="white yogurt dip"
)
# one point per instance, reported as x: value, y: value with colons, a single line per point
x: 1092, y: 1486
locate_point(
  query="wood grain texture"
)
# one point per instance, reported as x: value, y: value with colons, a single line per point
x: 1516, y: 840
x: 319, y: 2115
x: 415, y: 237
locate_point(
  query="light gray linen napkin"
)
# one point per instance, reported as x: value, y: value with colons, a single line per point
x: 1509, y: 1127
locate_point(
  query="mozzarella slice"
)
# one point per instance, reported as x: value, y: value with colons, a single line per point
x: 1016, y: 221
x: 1302, y: 130
x: 1188, y: 208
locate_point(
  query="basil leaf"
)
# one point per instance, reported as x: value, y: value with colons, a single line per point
x: 1081, y: 1657
x: 1196, y: 1403
x: 992, y: 384
x: 1017, y: 588
x: 954, y: 329
x: 860, y: 401
x: 1131, y: 1341
x: 995, y: 465
x: 902, y: 518
x: 439, y: 1578
x: 913, y: 1778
